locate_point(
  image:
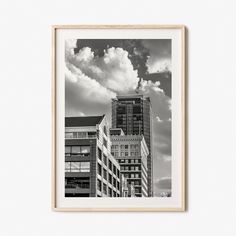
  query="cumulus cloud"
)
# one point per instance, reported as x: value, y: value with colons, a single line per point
x: 160, y: 55
x: 114, y: 70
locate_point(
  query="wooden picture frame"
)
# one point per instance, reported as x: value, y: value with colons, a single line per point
x: 177, y: 35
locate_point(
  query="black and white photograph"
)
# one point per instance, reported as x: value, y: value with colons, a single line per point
x: 120, y: 117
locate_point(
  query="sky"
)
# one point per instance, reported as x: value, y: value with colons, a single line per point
x: 98, y: 70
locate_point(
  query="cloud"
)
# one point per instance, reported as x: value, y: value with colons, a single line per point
x: 160, y: 55
x: 114, y: 70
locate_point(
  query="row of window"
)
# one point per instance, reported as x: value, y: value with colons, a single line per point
x: 134, y: 168
x: 124, y: 154
x: 73, y: 183
x: 131, y: 161
x: 122, y: 146
x: 108, y: 162
x: 77, y: 166
x: 106, y: 189
x: 130, y: 176
x: 77, y: 150
x: 80, y: 135
x: 107, y: 176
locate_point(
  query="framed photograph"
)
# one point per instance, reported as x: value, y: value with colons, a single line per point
x: 118, y: 118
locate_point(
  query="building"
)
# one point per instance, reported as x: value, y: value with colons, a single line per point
x: 133, y: 114
x: 90, y: 169
x: 131, y: 152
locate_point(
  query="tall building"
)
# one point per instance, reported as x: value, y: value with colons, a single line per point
x: 90, y: 169
x: 133, y: 114
x: 131, y: 152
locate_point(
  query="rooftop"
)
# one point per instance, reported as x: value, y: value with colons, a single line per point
x: 83, y: 121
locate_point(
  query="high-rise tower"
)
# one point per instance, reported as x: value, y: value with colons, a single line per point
x: 133, y: 114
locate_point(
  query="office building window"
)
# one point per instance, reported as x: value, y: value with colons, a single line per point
x: 110, y: 192
x: 137, y: 168
x: 104, y: 174
x: 110, y: 165
x: 78, y: 150
x: 114, y: 193
x: 68, y: 135
x: 114, y: 182
x: 126, y: 161
x: 122, y: 154
x: 99, y: 154
x: 110, y: 179
x: 126, y: 154
x: 126, y: 146
x: 114, y: 169
x: 137, y: 175
x: 105, y: 130
x: 122, y: 146
x: 118, y: 173
x: 99, y: 183
x: 77, y: 167
x: 67, y: 150
x: 105, y: 159
x: 99, y: 169
x: 122, y: 161
x: 118, y: 185
x: 105, y: 142
x: 104, y: 188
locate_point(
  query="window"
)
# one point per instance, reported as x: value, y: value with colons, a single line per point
x: 132, y: 146
x: 126, y: 161
x: 114, y: 193
x: 122, y: 146
x: 110, y: 178
x: 105, y: 159
x: 126, y: 146
x: 116, y: 154
x: 137, y: 175
x: 122, y: 161
x: 118, y: 185
x: 137, y: 161
x: 76, y: 150
x: 80, y: 135
x: 99, y: 169
x: 92, y: 134
x: 114, y: 182
x: 77, y: 167
x: 118, y: 173
x: 83, y: 183
x: 126, y: 154
x: 114, y: 169
x: 68, y: 135
x: 132, y: 161
x: 104, y: 174
x: 132, y: 176
x: 105, y: 130
x: 110, y: 192
x: 99, y: 183
x: 85, y: 149
x: 132, y: 153
x: 112, y: 153
x: 99, y: 154
x: 105, y: 142
x: 122, y: 154
x: 137, y: 168
x: 110, y: 165
x: 67, y: 167
x: 67, y: 150
x: 104, y: 188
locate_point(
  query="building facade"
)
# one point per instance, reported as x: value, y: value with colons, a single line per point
x: 133, y: 114
x: 90, y: 169
x: 131, y: 152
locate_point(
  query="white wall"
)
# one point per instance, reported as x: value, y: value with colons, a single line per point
x: 25, y: 123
